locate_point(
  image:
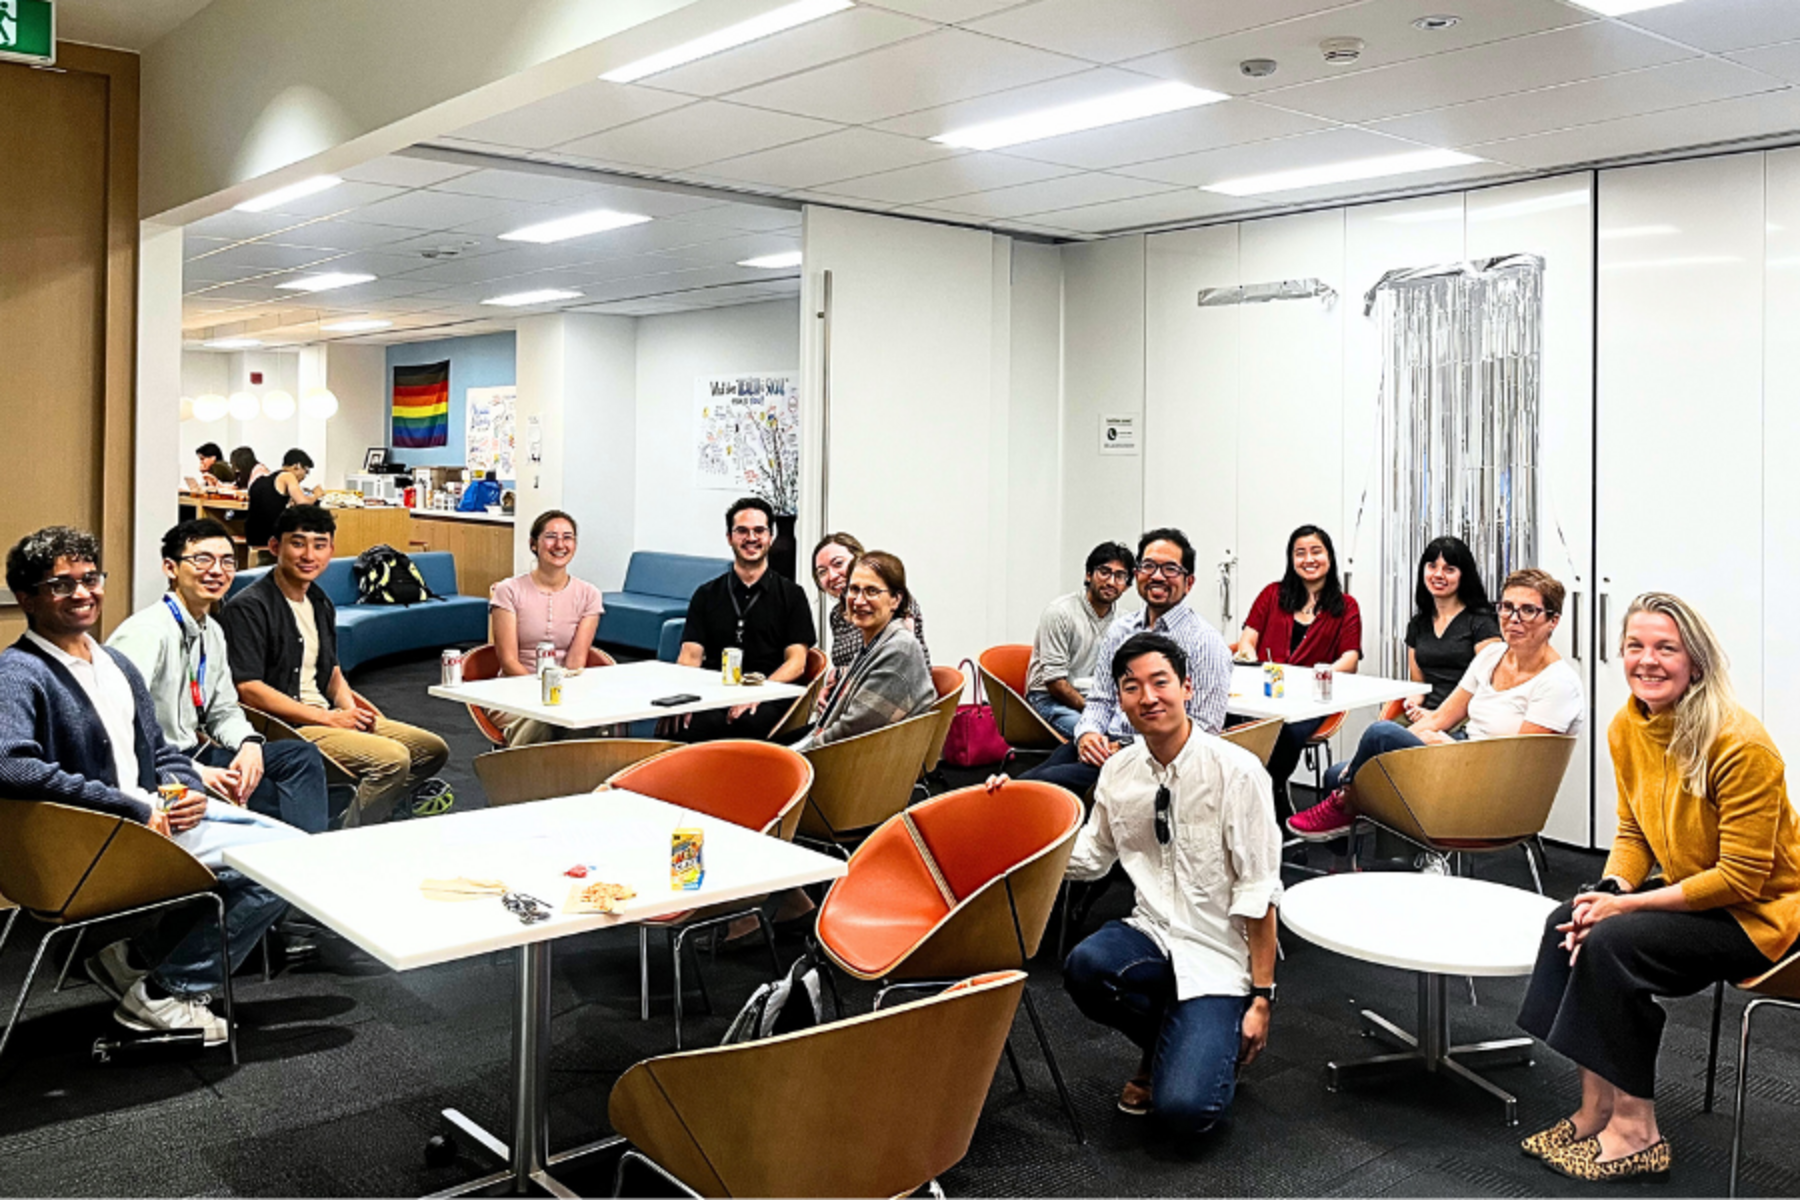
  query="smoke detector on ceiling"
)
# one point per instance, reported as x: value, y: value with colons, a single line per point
x: 1341, y: 51
x: 448, y: 249
x: 1258, y: 68
x: 1436, y: 23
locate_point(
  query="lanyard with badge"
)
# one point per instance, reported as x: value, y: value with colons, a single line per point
x: 742, y: 610
x: 197, y: 677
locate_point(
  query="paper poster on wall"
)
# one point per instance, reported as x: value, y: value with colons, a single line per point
x: 1118, y: 434
x: 488, y: 427
x: 747, y: 435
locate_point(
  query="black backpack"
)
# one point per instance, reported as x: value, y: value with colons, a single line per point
x: 386, y: 576
x: 787, y: 1005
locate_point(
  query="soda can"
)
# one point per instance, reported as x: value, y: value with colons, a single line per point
x: 550, y: 681
x: 451, y: 668
x: 687, y: 859
x: 170, y: 794
x: 546, y: 655
x: 731, y: 667
x: 1323, y: 678
x: 1274, y: 681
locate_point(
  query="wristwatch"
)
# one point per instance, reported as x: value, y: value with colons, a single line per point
x: 1609, y: 885
x: 1264, y: 993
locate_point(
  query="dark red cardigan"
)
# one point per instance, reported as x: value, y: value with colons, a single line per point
x: 1327, y: 639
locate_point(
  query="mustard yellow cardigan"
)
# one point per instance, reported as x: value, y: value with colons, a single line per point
x: 1737, y: 847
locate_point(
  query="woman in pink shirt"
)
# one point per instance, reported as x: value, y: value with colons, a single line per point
x: 546, y: 604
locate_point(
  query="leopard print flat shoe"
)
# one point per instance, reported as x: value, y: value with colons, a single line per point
x: 1581, y: 1160
x: 1547, y: 1141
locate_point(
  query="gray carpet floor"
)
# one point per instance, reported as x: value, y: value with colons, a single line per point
x: 346, y: 1066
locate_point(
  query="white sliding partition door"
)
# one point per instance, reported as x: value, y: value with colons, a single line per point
x: 1780, y: 452
x: 1190, y: 407
x: 1103, y: 375
x: 1680, y: 479
x: 1553, y: 219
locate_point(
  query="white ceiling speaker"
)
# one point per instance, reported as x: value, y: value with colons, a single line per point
x: 243, y: 406
x: 320, y: 404
x: 187, y: 408
x: 1341, y: 51
x: 277, y: 405
x: 210, y: 407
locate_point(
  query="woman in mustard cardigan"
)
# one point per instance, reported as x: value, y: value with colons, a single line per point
x: 1703, y: 795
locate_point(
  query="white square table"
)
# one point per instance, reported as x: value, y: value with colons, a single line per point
x: 1349, y: 690
x: 364, y: 884
x: 612, y: 695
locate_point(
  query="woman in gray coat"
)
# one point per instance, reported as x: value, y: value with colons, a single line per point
x: 889, y: 680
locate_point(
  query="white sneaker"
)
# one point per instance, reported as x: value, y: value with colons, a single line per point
x: 139, y: 1012
x: 112, y: 972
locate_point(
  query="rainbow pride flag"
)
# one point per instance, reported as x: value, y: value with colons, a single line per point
x: 422, y: 405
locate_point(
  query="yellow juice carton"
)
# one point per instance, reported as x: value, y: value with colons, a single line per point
x: 687, y: 859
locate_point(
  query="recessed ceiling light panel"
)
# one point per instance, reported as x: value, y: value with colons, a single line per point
x: 1084, y: 114
x: 325, y: 282
x: 562, y: 229
x: 232, y: 344
x: 1618, y: 8
x: 355, y: 326
x: 1342, y: 172
x: 773, y: 262
x: 541, y: 296
x: 771, y: 22
x: 280, y: 196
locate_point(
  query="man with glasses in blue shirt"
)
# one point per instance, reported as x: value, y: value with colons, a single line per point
x: 1165, y: 572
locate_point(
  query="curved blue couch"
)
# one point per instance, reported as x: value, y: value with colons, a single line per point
x: 657, y: 589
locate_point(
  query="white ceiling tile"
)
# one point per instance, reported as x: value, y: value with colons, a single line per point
x: 1049, y: 93
x: 1446, y: 177
x: 1069, y: 191
x: 1212, y: 127
x: 700, y: 133
x: 578, y: 112
x: 1111, y: 30
x: 235, y: 226
x: 433, y: 210
x: 1384, y: 25
x: 754, y: 217
x: 204, y: 271
x: 733, y: 250
x: 650, y: 201
x: 813, y: 44
x: 977, y: 172
x: 249, y: 292
x: 1654, y: 89
x: 842, y: 155
x: 265, y: 256
x: 193, y: 246
x: 342, y: 235
x: 1259, y: 158
x: 520, y: 185
x: 337, y: 199
x: 925, y: 72
x: 1782, y: 61
x: 1719, y: 25
x: 1723, y: 120
x: 401, y: 171
x: 946, y: 12
x: 1496, y: 69
x: 1185, y: 204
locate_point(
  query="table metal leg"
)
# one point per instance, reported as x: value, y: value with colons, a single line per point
x: 1430, y: 1049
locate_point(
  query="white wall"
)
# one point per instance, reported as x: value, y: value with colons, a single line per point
x: 1033, y: 506
x: 357, y: 376
x: 672, y: 352
x: 601, y: 444
x: 157, y: 453
x: 210, y: 371
x: 1103, y: 373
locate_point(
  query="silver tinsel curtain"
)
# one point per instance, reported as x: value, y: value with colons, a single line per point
x: 1462, y: 350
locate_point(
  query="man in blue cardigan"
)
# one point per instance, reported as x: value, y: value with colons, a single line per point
x: 78, y: 727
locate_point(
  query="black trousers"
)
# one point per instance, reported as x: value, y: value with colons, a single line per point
x: 1602, y: 1012
x: 713, y: 724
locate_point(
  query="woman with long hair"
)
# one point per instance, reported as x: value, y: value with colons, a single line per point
x: 1703, y: 795
x: 1452, y: 621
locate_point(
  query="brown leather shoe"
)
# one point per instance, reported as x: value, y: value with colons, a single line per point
x: 1134, y: 1099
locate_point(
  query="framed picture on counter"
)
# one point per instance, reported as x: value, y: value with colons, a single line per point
x: 374, y: 458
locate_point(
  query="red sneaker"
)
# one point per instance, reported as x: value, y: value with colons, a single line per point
x: 1329, y: 818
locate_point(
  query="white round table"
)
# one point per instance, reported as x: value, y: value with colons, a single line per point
x: 1438, y: 926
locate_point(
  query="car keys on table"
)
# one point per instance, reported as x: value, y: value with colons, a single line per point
x: 528, y: 908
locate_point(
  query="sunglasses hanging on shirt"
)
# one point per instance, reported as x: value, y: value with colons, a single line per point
x: 1162, y: 814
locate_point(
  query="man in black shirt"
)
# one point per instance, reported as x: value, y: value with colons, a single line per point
x: 755, y: 610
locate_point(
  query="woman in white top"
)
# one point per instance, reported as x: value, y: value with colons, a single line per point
x: 1518, y: 686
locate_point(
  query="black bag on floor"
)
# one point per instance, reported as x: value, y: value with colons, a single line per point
x: 788, y: 1005
x: 386, y: 576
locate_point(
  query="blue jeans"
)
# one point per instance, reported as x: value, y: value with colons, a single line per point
x: 293, y: 783
x: 1121, y: 979
x: 1061, y: 717
x: 184, y: 945
x: 1065, y: 769
x: 1378, y: 738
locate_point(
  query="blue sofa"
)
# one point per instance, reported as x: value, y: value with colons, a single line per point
x: 367, y: 631
x: 657, y: 587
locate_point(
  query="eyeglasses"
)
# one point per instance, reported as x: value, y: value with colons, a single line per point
x: 1162, y: 815
x: 63, y: 586
x: 208, y: 562
x: 557, y: 537
x: 857, y: 592
x: 529, y: 909
x: 1118, y: 576
x: 1168, y: 570
x: 1526, y: 613
x: 741, y: 531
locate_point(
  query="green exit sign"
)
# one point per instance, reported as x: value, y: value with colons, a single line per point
x: 28, y: 31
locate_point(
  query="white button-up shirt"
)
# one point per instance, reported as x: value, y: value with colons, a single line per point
x: 110, y: 693
x: 1221, y: 867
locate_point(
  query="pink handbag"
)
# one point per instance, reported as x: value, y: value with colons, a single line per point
x: 975, y: 739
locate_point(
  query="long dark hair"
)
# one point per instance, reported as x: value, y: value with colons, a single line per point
x: 1455, y: 552
x: 1292, y: 596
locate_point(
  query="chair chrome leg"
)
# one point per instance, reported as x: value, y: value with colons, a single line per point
x: 631, y: 1156
x: 267, y: 952
x: 6, y: 931
x: 1056, y: 1076
x: 700, y: 979
x: 1537, y: 880
x: 675, y: 957
x: 643, y: 972
x: 74, y: 952
x: 25, y: 989
x: 768, y: 932
x: 1712, y: 1046
x: 1743, y: 1088
x: 231, y: 1029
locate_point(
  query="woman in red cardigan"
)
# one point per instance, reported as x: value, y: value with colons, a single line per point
x: 1304, y: 620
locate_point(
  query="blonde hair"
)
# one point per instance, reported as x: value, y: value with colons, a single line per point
x: 1709, y: 700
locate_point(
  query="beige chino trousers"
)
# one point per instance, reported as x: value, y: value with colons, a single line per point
x: 388, y: 761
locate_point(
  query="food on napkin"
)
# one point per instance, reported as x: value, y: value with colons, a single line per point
x: 461, y: 888
x: 597, y: 897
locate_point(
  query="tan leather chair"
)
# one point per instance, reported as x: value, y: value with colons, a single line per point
x: 275, y: 729
x: 877, y: 1105
x: 548, y: 769
x: 801, y: 710
x: 949, y: 682
x: 1003, y: 672
x: 862, y: 781
x: 1778, y: 987
x: 1258, y: 737
x: 70, y: 868
x: 1466, y: 797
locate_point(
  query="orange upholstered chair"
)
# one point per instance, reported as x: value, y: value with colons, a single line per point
x: 483, y: 662
x: 1003, y: 674
x: 757, y: 785
x: 957, y: 885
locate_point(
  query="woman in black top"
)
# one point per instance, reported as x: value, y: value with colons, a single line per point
x: 1452, y: 619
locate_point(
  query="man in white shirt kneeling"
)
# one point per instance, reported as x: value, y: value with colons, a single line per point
x: 1190, y: 975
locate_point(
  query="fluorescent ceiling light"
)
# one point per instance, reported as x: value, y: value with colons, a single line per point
x: 1637, y: 231
x: 280, y: 196
x: 325, y: 282
x: 1618, y: 8
x: 1341, y: 172
x: 771, y: 22
x: 773, y: 262
x: 232, y: 344
x: 1084, y: 114
x: 541, y: 296
x: 580, y: 225
x: 355, y: 326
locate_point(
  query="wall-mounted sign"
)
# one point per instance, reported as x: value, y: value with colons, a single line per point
x: 28, y: 31
x: 1118, y: 433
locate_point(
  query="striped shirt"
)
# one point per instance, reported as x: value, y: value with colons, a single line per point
x: 1209, y: 666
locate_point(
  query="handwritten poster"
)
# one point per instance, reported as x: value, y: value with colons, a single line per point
x: 748, y: 433
x: 488, y: 428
